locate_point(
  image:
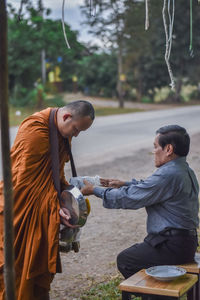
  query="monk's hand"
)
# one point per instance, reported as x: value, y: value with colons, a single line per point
x: 87, y: 189
x: 65, y: 217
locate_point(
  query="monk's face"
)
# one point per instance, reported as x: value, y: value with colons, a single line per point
x: 71, y: 126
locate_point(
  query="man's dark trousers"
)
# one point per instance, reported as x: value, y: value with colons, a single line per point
x: 157, y: 250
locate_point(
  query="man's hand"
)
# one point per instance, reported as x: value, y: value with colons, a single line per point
x: 104, y: 182
x: 87, y: 189
x: 65, y: 217
x: 115, y: 183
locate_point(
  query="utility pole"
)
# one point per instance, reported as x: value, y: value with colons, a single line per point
x: 43, y: 66
x: 9, y: 274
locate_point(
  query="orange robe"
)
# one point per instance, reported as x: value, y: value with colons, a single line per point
x: 36, y: 208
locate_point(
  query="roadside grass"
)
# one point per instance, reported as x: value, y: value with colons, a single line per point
x: 105, y: 111
x: 16, y: 119
x: 198, y: 233
x: 105, y: 291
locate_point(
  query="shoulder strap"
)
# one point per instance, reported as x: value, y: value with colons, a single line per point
x: 53, y: 137
x: 74, y: 174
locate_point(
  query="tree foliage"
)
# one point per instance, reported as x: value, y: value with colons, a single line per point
x: 142, y: 52
x: 109, y: 24
x: 96, y: 74
x: 128, y: 49
x: 26, y: 40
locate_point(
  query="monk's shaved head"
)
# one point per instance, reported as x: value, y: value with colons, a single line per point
x: 80, y: 108
x: 75, y: 117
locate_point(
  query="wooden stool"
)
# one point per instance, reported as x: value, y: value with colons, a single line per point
x: 145, y: 285
x: 194, y: 268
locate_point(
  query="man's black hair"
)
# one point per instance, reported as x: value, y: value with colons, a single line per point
x: 175, y: 135
x: 81, y: 108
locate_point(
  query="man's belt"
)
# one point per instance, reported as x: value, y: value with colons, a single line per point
x: 177, y: 231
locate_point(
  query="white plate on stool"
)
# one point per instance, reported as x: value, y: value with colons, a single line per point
x: 165, y: 273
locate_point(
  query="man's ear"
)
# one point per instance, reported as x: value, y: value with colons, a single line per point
x: 169, y: 149
x: 66, y: 116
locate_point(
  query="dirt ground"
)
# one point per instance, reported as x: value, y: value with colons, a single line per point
x: 107, y: 232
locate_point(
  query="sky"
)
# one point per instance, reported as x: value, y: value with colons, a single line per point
x: 72, y: 14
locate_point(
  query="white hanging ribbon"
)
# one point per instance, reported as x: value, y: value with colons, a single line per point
x: 146, y: 15
x: 168, y: 39
x: 63, y: 24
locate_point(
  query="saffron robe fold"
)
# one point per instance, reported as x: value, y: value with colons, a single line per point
x: 36, y: 208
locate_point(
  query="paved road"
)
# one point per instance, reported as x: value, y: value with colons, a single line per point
x: 119, y: 135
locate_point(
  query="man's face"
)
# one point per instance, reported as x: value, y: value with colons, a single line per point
x: 161, y: 156
x: 71, y: 127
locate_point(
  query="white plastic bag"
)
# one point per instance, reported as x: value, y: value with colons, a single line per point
x: 78, y: 181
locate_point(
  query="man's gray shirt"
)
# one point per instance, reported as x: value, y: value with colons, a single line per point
x: 170, y: 197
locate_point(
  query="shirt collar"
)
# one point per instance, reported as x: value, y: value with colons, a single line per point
x: 178, y: 160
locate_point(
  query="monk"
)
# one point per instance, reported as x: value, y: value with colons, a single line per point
x: 37, y: 212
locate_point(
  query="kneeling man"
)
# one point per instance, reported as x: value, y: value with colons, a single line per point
x: 170, y: 197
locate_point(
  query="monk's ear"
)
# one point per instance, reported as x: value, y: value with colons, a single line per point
x: 169, y: 149
x: 67, y: 116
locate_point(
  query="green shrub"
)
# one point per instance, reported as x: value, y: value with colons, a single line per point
x: 195, y: 95
x: 23, y: 97
x: 187, y: 91
x: 146, y: 100
x: 161, y: 94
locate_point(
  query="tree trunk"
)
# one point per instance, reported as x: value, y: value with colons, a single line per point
x: 139, y: 91
x: 177, y: 97
x: 40, y: 97
x: 43, y: 64
x: 119, y: 81
x: 43, y: 67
